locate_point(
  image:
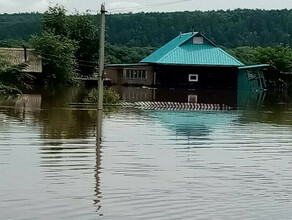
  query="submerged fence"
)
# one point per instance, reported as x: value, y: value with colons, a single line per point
x: 169, y: 106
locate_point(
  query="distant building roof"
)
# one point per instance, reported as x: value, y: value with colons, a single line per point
x: 18, y: 56
x: 192, y: 49
x: 254, y: 66
x: 126, y: 65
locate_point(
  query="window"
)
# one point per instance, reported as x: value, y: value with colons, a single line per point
x: 139, y: 74
x: 193, y: 77
x: 198, y: 40
x: 128, y: 72
x: 132, y: 74
x: 144, y: 74
x: 135, y: 74
x: 252, y: 75
x: 192, y: 98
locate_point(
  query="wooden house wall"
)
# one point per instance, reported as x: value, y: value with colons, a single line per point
x: 251, y: 79
x: 117, y: 75
x: 208, y: 77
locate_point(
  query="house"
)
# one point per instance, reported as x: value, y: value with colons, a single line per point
x: 192, y: 61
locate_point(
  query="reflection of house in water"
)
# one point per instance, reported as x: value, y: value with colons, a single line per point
x: 193, y: 124
x: 134, y: 94
x: 227, y: 97
x: 29, y: 102
x: 250, y: 99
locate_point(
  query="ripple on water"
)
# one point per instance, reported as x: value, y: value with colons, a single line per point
x: 151, y: 165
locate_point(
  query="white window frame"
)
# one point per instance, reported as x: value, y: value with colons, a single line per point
x: 193, y: 80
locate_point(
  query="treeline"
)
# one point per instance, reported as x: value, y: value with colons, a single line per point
x: 231, y: 28
x: 20, y: 26
x: 69, y: 46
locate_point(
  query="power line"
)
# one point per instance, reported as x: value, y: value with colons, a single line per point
x: 113, y: 10
x: 85, y: 61
x: 147, y: 6
x: 125, y: 9
x: 59, y: 61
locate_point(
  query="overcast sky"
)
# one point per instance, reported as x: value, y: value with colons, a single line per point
x: 15, y: 6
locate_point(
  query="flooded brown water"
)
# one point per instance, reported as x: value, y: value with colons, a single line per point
x: 151, y: 164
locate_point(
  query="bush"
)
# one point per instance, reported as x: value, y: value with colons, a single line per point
x: 12, y: 75
x: 109, y: 96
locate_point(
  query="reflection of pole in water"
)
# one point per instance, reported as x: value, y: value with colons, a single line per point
x: 100, y: 107
x: 99, y: 127
x: 98, y: 158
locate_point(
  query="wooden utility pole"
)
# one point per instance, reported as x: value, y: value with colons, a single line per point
x: 101, y: 59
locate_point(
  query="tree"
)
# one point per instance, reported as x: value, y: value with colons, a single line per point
x: 231, y: 28
x: 83, y: 30
x: 279, y: 57
x: 79, y: 28
x: 58, y: 53
x: 55, y: 21
x: 122, y: 54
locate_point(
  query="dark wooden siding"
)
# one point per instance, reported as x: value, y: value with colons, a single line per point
x: 209, y: 77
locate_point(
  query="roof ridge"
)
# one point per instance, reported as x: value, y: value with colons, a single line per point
x: 174, y: 49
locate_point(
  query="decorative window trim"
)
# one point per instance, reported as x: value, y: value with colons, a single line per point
x: 192, y: 98
x: 191, y: 78
x: 135, y: 74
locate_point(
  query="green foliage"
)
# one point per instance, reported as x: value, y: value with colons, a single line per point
x: 7, y: 99
x: 109, y: 96
x: 55, y: 21
x: 123, y: 54
x: 11, y: 76
x: 231, y: 28
x: 79, y: 28
x: 20, y: 26
x: 58, y: 53
x: 279, y: 58
x: 14, y: 43
x: 83, y: 30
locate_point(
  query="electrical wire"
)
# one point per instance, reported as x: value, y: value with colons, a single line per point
x: 145, y: 6
x: 59, y: 61
x: 113, y: 10
x: 85, y: 61
x: 129, y: 9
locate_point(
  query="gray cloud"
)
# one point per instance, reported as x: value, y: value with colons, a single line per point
x: 15, y: 6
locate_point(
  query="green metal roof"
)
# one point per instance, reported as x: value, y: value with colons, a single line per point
x: 182, y: 50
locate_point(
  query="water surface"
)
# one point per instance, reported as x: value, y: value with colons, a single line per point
x: 151, y: 164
